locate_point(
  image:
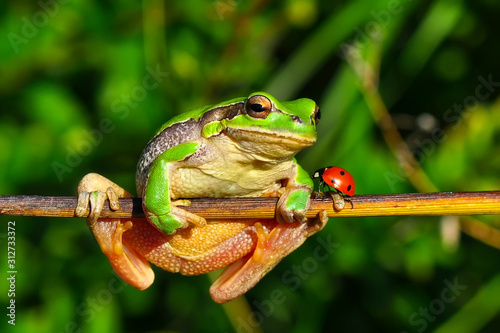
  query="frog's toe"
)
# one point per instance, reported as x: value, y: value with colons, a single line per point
x: 177, y: 219
x: 300, y: 215
x: 93, y: 200
x: 93, y: 190
x: 285, y: 214
x: 338, y: 201
x: 113, y: 197
x: 186, y: 216
x: 292, y: 206
x: 319, y: 222
x: 290, y: 216
x: 83, y: 204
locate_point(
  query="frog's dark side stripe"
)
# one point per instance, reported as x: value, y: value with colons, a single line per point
x: 181, y: 132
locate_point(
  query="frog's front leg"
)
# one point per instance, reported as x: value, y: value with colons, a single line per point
x: 159, y: 209
x: 133, y: 268
x: 294, y: 202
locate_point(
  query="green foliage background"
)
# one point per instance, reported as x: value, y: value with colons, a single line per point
x: 74, y: 100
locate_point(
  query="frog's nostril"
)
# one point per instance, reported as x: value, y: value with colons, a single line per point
x: 317, y: 115
x: 296, y: 119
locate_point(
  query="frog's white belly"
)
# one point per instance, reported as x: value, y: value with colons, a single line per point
x: 230, y: 181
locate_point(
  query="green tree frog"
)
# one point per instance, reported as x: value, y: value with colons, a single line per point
x: 243, y: 147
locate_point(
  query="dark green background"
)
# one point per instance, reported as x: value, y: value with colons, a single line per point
x: 73, y: 100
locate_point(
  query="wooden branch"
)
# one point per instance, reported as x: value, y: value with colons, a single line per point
x: 420, y: 204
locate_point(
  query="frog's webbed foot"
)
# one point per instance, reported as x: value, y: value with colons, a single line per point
x: 93, y: 190
x: 273, y: 244
x: 293, y: 204
x: 132, y: 267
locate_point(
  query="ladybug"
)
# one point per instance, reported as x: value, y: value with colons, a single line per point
x: 338, y: 178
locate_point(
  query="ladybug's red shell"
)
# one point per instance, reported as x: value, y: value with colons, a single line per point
x: 340, y: 179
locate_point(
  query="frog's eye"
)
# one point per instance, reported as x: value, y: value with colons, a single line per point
x: 258, y: 106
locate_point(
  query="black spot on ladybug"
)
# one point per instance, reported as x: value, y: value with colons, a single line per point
x: 342, y: 173
x: 349, y: 188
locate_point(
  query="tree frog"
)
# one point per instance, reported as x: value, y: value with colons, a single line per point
x: 243, y: 147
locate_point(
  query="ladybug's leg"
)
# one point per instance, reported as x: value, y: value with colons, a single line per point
x: 346, y: 198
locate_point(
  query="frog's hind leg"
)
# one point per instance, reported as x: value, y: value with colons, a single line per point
x: 132, y: 267
x: 272, y: 246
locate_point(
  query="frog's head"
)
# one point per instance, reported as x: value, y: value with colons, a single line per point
x: 262, y: 122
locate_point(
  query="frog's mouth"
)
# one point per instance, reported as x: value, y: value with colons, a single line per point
x: 281, y: 140
x: 272, y: 246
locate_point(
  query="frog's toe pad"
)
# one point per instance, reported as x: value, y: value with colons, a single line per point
x: 290, y: 216
x: 338, y: 202
x: 83, y: 204
x: 187, y: 217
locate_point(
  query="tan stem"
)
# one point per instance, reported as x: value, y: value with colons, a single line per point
x: 421, y: 204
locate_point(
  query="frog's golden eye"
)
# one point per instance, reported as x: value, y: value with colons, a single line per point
x: 258, y: 106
